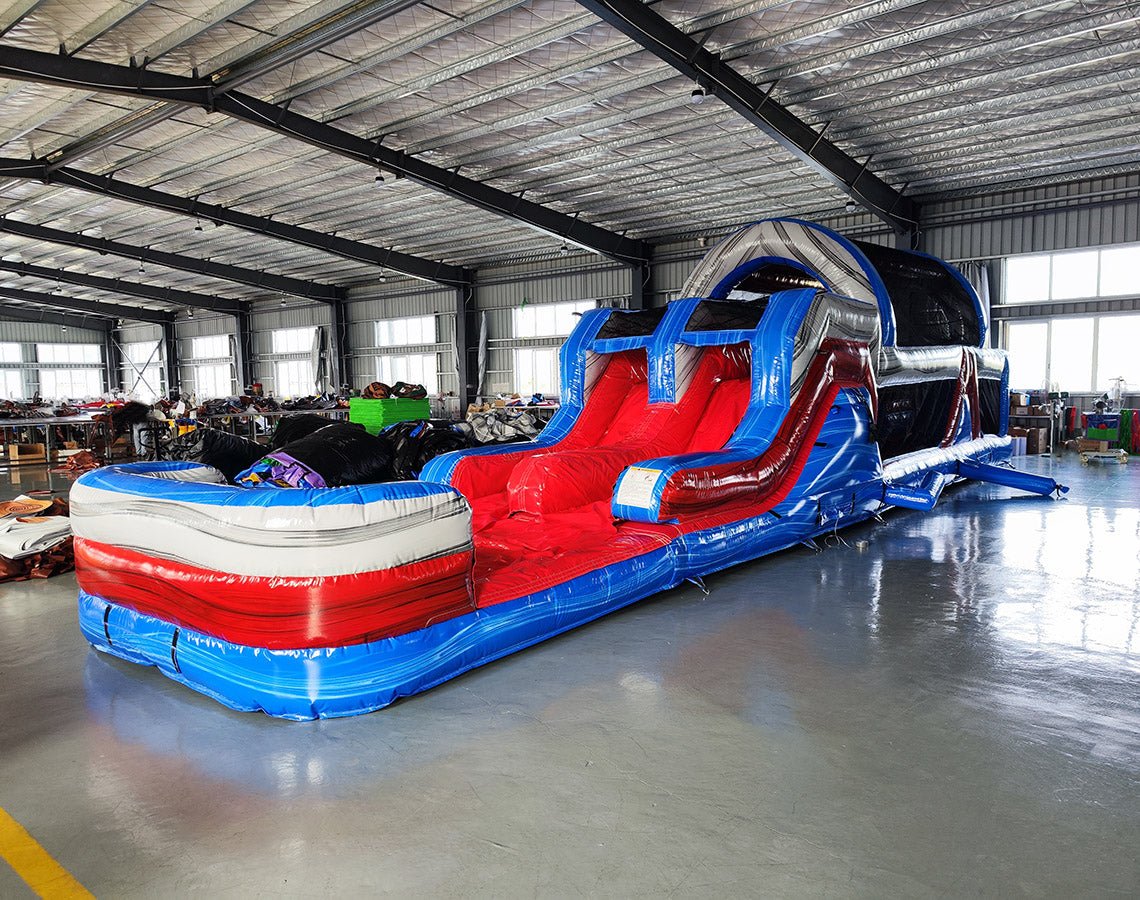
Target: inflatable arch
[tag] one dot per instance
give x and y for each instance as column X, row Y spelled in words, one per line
column 797, row 390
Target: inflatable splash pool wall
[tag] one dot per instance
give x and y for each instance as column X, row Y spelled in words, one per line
column 805, row 383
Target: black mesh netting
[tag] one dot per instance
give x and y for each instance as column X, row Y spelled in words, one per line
column 931, row 306
column 913, row 416
column 989, row 396
column 726, row 315
column 631, row 324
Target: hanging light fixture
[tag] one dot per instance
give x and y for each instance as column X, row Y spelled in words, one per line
column 697, row 97
column 564, row 250
column 851, row 206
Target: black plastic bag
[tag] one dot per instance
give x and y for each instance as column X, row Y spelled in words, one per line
column 342, row 453
column 293, row 428
column 228, row 453
column 415, row 443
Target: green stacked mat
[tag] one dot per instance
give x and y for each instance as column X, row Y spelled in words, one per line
column 376, row 415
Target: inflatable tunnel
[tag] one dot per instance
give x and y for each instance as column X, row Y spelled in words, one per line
column 805, row 383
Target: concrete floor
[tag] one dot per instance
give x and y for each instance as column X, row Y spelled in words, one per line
column 952, row 710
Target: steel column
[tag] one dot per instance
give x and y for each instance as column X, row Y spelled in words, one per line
column 170, row 358
column 243, row 341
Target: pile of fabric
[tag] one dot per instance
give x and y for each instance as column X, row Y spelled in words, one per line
column 35, row 538
column 500, row 425
column 401, row 390
column 18, row 409
column 78, row 463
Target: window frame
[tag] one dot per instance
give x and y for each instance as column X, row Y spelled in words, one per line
column 1054, row 255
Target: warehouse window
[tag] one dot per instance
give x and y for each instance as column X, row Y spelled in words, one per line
column 1081, row 355
column 11, row 380
column 1119, row 337
column 213, row 372
column 70, row 384
column 214, row 346
column 70, row 371
column 293, row 377
column 213, row 380
column 407, row 332
column 1028, row 347
column 1072, row 275
column 12, row 384
column 143, row 370
column 74, row 354
column 414, row 368
column 536, row 371
column 1071, row 354
column 549, row 319
column 293, row 340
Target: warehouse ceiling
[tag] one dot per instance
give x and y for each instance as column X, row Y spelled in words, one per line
column 538, row 101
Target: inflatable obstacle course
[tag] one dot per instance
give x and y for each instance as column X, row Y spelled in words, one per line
column 805, row 383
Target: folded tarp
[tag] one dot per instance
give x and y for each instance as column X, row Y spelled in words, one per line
column 20, row 538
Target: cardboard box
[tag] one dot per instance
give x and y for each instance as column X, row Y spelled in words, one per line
column 1017, row 398
column 1087, row 446
column 1018, row 431
column 1019, row 410
column 1037, row 441
column 27, row 453
column 1039, row 411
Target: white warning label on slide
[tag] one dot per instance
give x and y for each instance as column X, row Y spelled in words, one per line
column 636, row 488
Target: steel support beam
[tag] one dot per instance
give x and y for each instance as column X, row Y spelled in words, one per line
column 173, row 296
column 71, row 72
column 641, row 286
column 170, row 359
column 660, row 37
column 243, row 338
column 466, row 344
column 276, row 284
column 113, row 359
column 357, row 251
column 24, row 314
column 340, row 363
column 93, row 307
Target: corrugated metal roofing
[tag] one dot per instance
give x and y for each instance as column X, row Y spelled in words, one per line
column 542, row 97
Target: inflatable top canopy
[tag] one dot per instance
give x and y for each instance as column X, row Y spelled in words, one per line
column 806, row 383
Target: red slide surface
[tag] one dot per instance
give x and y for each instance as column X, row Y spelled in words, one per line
column 549, row 520
column 542, row 516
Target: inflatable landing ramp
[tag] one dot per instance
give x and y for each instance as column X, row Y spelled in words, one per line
column 805, row 383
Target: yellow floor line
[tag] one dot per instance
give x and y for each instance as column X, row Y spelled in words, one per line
column 34, row 864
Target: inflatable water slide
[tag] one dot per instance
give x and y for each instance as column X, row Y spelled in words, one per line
column 803, row 384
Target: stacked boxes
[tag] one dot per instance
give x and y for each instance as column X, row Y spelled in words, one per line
column 376, row 415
